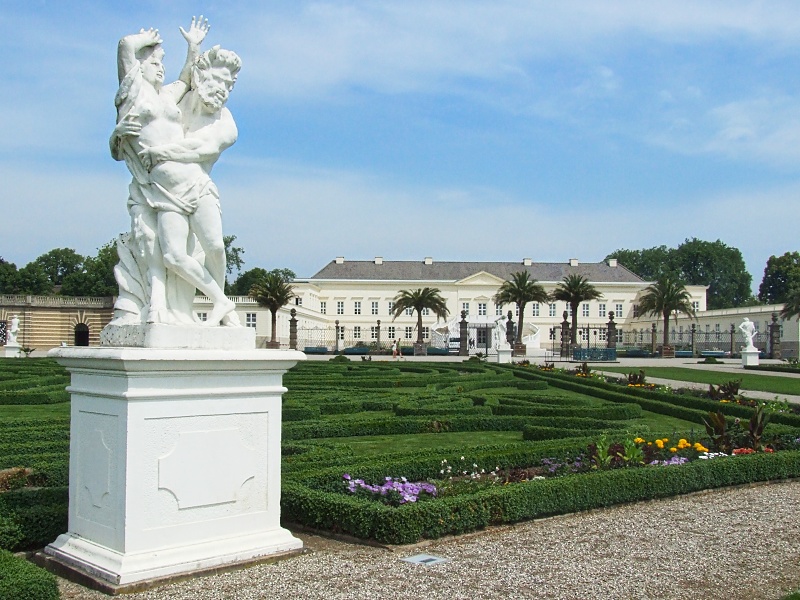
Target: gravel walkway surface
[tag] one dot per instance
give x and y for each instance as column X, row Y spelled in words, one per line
column 732, row 544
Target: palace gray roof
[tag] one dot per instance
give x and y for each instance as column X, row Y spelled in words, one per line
column 429, row 270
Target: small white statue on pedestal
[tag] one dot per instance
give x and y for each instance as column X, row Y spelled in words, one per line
column 13, row 331
column 749, row 332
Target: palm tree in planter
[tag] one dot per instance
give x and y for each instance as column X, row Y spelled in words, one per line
column 419, row 300
column 520, row 290
column 272, row 291
column 664, row 297
column 573, row 290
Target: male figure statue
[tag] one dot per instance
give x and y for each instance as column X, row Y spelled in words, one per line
column 172, row 198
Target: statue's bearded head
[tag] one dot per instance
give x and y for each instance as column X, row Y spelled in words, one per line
column 214, row 75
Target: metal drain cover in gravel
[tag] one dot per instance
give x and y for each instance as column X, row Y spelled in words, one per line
column 425, row 559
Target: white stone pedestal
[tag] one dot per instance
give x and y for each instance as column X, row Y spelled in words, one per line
column 504, row 355
column 175, row 462
column 750, row 357
column 12, row 350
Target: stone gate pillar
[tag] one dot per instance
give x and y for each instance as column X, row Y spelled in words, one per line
column 775, row 337
column 293, row 330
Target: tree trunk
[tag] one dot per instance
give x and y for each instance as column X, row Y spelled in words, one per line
column 273, row 337
column 573, row 335
column 666, row 329
column 519, row 323
column 419, row 326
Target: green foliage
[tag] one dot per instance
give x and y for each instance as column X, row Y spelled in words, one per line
column 781, row 274
column 60, row 262
column 233, row 255
column 21, row 580
column 520, row 290
column 419, row 300
column 697, row 262
column 306, row 501
column 664, row 297
column 573, row 290
column 272, row 292
column 96, row 277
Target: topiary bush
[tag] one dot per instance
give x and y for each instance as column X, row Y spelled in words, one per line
column 21, row 580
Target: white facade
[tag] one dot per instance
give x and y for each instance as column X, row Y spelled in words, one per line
column 358, row 303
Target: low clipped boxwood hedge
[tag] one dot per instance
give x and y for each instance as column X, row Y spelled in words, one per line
column 32, row 517
column 312, row 506
column 21, row 580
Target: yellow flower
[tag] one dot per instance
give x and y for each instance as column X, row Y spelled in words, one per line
column 665, row 440
column 660, row 444
column 673, row 449
column 638, row 440
column 699, row 447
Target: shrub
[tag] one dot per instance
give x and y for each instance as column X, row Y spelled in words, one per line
column 21, row 580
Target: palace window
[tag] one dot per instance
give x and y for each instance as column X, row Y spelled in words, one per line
column 250, row 319
column 374, row 307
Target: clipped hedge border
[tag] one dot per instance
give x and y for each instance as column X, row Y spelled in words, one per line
column 21, row 580
column 524, row 501
column 432, row 424
column 39, row 514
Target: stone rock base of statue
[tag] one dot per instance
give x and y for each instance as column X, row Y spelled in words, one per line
column 750, row 357
column 158, row 335
column 504, row 353
column 420, row 349
column 175, row 462
column 12, row 350
column 520, row 350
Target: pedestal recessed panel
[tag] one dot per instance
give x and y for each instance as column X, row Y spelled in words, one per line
column 206, row 467
column 95, row 485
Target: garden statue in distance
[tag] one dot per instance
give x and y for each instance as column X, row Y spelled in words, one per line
column 748, row 330
column 170, row 137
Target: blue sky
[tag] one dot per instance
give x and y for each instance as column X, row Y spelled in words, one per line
column 458, row 130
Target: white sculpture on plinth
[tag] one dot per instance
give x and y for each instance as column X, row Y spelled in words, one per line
column 167, row 402
column 749, row 332
column 170, row 136
column 13, row 331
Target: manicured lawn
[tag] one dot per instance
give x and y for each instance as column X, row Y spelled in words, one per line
column 750, row 381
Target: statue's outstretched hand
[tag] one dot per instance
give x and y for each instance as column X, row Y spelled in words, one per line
column 197, row 31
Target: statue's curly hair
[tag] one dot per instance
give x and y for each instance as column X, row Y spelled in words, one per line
column 219, row 57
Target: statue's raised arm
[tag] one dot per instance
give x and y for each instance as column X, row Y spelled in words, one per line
column 131, row 46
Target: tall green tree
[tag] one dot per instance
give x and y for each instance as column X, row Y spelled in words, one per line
column 272, row 292
column 664, row 297
column 649, row 263
column 696, row 262
column 9, row 277
column 520, row 290
column 781, row 274
column 96, row 277
column 419, row 300
column 246, row 279
column 718, row 266
column 233, row 255
column 60, row 262
column 573, row 290
column 33, row 280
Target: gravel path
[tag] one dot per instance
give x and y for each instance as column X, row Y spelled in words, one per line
column 731, row 544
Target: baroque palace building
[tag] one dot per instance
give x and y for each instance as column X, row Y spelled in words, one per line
column 353, row 300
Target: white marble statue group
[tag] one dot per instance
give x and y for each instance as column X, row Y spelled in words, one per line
column 170, row 136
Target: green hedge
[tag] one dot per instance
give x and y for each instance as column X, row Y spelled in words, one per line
column 508, row 504
column 21, row 580
column 39, row 515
